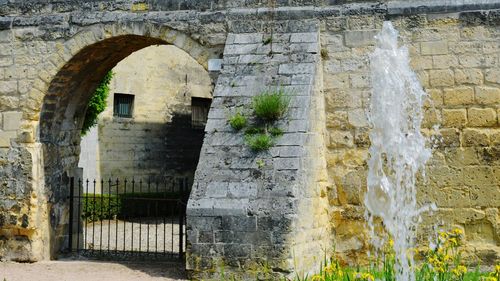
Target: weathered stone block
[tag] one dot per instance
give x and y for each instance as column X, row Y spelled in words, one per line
column 482, row 117
column 12, row 120
column 357, row 118
column 475, row 137
column 444, row 61
column 434, row 48
column 470, row 60
column 247, row 38
column 493, row 75
column 431, row 117
column 337, row 119
column 8, row 87
column 309, row 37
column 5, row 138
column 435, row 98
column 462, row 156
column 217, row 189
column 458, row 96
column 360, row 38
column 243, row 189
column 469, row 76
column 450, row 137
column 454, row 117
column 341, row 139
column 286, row 163
column 441, row 78
column 421, row 62
column 487, row 95
column 296, row 68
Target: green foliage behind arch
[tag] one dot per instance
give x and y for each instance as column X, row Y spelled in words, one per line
column 97, row 103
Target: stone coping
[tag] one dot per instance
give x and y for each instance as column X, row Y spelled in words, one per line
column 34, row 13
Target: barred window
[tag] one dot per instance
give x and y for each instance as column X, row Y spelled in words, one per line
column 123, row 105
column 199, row 111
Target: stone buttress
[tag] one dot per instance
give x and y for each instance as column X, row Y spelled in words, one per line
column 262, row 214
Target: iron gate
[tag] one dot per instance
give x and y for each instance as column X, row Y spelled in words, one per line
column 128, row 219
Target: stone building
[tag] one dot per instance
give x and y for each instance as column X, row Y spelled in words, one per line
column 305, row 196
column 148, row 130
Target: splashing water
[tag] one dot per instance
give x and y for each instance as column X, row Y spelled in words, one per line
column 397, row 150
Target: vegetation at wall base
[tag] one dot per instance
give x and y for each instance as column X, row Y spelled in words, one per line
column 97, row 103
column 271, row 105
column 441, row 263
column 238, row 121
column 96, row 207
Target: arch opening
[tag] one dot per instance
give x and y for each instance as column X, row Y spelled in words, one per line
column 61, row 120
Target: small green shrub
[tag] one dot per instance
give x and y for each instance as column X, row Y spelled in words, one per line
column 259, row 142
column 97, row 207
column 324, row 54
column 238, row 121
column 276, row 132
column 267, row 41
column 271, row 105
column 254, row 131
column 128, row 205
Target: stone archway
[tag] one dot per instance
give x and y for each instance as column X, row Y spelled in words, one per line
column 54, row 112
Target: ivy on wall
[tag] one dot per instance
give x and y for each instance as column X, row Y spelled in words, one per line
column 97, row 103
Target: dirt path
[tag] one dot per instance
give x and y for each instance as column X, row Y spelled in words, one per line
column 70, row 270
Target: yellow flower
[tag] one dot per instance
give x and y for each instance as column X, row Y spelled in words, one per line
column 490, row 278
column 367, row 277
column 497, row 268
column 457, row 231
column 443, row 234
column 459, row 271
column 317, row 277
column 453, row 242
column 447, row 257
column 391, row 242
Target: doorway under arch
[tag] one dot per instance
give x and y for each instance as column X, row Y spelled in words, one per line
column 61, row 118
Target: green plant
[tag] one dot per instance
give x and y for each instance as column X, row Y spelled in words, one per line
column 271, row 105
column 267, row 41
column 276, row 132
column 238, row 121
column 441, row 263
column 97, row 103
column 259, row 142
column 254, row 131
column 324, row 54
column 100, row 206
column 97, row 207
column 260, row 163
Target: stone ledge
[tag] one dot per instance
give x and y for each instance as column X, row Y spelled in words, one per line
column 290, row 13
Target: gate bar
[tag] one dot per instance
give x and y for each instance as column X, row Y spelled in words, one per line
column 71, row 197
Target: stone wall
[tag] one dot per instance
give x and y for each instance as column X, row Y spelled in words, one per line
column 158, row 142
column 54, row 53
column 49, row 70
column 264, row 220
column 456, row 57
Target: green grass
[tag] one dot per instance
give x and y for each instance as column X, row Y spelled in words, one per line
column 276, row 132
column 259, row 142
column 271, row 105
column 238, row 121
